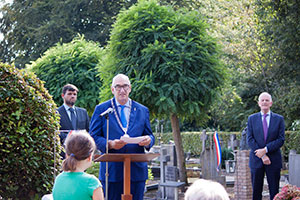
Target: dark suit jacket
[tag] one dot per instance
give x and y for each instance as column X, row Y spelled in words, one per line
column 139, row 125
column 275, row 139
column 82, row 121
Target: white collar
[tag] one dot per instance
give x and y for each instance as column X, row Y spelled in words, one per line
column 127, row 104
column 268, row 113
column 68, row 107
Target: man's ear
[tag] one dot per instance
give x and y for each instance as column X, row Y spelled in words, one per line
column 62, row 95
column 112, row 90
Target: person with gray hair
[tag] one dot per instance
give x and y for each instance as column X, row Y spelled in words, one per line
column 128, row 119
column 206, row 190
column 265, row 137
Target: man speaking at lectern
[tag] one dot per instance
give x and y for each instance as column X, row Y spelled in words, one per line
column 127, row 118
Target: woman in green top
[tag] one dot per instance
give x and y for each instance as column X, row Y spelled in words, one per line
column 73, row 183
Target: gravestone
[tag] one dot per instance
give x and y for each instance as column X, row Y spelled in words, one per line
column 294, row 163
column 168, row 173
column 171, row 175
column 243, row 141
column 208, row 160
column 233, row 144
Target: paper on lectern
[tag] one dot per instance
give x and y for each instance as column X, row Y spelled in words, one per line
column 132, row 140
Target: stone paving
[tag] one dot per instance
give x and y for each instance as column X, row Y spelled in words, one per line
column 152, row 194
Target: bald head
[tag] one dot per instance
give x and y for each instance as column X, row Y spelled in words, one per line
column 122, row 77
column 121, row 88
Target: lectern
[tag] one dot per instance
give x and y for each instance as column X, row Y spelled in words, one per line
column 126, row 159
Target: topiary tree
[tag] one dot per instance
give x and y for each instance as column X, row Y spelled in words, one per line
column 29, row 143
column 73, row 63
column 172, row 61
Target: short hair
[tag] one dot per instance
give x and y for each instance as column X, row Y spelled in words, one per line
column 206, row 190
column 69, row 87
column 265, row 93
column 123, row 76
column 79, row 146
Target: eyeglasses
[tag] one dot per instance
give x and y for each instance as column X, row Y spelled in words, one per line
column 119, row 87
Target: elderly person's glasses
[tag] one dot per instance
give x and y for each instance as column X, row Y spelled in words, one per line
column 119, row 87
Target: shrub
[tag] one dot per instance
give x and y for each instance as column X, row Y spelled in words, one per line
column 28, row 123
column 74, row 63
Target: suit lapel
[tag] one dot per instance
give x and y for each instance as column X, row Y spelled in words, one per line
column 77, row 115
column 66, row 116
column 270, row 125
column 132, row 114
column 260, row 126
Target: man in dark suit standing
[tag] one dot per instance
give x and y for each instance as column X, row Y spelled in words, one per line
column 71, row 117
column 265, row 136
column 128, row 118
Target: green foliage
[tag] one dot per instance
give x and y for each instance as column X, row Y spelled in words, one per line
column 73, row 63
column 278, row 56
column 28, row 137
column 192, row 142
column 280, row 25
column 172, row 62
column 94, row 169
column 227, row 154
column 30, row 27
column 287, row 103
column 229, row 114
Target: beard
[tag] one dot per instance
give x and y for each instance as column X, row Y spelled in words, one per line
column 69, row 102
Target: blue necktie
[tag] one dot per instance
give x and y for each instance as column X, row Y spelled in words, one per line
column 265, row 127
column 73, row 118
column 123, row 118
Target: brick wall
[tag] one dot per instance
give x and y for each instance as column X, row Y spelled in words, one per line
column 242, row 184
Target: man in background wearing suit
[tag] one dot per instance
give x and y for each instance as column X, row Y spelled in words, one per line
column 128, row 118
column 265, row 136
column 71, row 117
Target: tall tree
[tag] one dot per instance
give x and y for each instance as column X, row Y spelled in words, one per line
column 278, row 25
column 30, row 27
column 233, row 23
column 172, row 61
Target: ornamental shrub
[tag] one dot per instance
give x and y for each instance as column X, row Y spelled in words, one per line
column 288, row 192
column 29, row 144
column 74, row 63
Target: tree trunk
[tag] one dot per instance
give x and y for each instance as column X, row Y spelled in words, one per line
column 178, row 147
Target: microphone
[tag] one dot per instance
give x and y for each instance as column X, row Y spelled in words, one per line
column 109, row 110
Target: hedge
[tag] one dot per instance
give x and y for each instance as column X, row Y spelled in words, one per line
column 192, row 141
column 28, row 124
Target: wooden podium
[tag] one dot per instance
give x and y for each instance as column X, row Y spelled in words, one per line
column 126, row 159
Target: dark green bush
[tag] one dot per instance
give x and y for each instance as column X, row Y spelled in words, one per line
column 28, row 124
column 74, row 63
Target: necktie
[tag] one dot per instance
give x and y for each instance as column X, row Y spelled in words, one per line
column 265, row 126
column 73, row 118
column 123, row 118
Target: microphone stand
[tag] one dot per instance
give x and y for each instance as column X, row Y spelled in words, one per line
column 106, row 172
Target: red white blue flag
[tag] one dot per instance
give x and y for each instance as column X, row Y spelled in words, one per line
column 218, row 149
